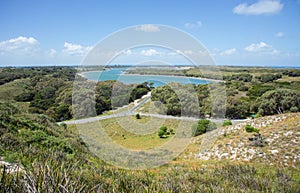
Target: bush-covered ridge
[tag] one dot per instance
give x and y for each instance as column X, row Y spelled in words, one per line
column 49, row 90
column 243, row 100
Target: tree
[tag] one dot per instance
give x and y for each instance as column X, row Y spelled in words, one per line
column 269, row 77
column 278, row 101
column 237, row 108
column 202, row 126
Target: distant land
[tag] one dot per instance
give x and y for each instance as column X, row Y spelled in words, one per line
column 130, row 65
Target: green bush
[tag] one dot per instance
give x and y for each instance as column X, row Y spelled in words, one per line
column 211, row 126
column 226, row 123
column 137, row 116
column 203, row 126
column 164, row 133
column 251, row 129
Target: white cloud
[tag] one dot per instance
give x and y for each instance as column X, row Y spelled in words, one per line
column 172, row 53
column 20, row 44
column 127, row 52
column 258, row 8
column 228, row 52
column 52, row 53
column 184, row 52
column 187, row 52
column 197, row 24
column 75, row 49
column 150, row 52
column 262, row 47
column 148, row 28
column 279, row 34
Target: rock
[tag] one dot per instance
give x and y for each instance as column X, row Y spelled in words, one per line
column 274, row 151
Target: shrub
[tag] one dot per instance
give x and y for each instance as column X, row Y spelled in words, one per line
column 163, row 132
column 138, row 116
column 251, row 129
column 203, row 126
column 172, row 131
column 226, row 123
column 211, row 126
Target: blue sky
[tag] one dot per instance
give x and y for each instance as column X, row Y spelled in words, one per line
column 235, row 32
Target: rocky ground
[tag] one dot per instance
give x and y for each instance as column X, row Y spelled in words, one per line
column 280, row 135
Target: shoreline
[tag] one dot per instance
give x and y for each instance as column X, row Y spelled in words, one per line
column 198, row 78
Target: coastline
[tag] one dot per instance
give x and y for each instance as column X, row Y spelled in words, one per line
column 198, row 78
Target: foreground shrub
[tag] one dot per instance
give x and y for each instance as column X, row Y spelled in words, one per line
column 203, row 126
column 251, row 129
column 226, row 123
column 137, row 116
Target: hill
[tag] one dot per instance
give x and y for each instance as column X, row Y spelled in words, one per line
column 280, row 136
column 53, row 158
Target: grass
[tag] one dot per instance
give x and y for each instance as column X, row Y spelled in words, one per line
column 87, row 173
column 132, row 133
column 289, row 79
column 219, row 177
column 282, row 148
column 9, row 90
column 148, row 107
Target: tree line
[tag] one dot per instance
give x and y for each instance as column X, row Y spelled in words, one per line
column 243, row 100
column 50, row 91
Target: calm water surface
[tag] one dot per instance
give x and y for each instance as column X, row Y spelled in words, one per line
column 158, row 80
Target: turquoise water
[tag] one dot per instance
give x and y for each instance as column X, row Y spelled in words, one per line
column 117, row 74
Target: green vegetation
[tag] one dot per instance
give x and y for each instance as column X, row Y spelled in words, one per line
column 251, row 129
column 226, row 123
column 54, row 158
column 48, row 90
column 203, row 126
column 137, row 116
column 183, row 97
column 248, row 92
column 132, row 133
column 164, row 132
column 269, row 77
column 65, row 164
column 278, row 101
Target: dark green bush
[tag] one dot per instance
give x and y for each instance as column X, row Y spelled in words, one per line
column 203, row 126
column 226, row 123
column 137, row 116
column 251, row 129
column 163, row 132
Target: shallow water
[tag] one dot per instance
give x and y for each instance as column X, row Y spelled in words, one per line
column 158, row 80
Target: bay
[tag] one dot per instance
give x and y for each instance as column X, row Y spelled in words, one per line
column 158, row 80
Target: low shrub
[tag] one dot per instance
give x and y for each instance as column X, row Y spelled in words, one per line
column 226, row 123
column 251, row 129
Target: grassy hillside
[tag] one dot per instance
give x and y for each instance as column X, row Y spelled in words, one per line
column 38, row 155
column 53, row 158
